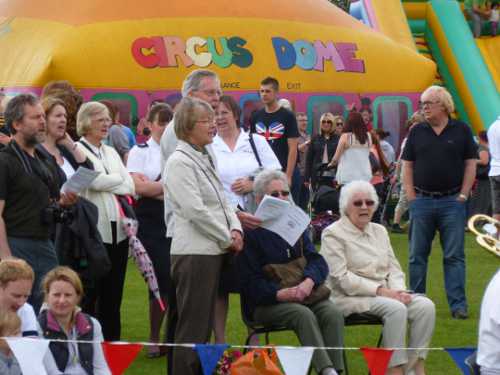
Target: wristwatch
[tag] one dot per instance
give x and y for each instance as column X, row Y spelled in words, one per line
column 462, row 196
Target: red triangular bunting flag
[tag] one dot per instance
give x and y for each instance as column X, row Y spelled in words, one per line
column 377, row 359
column 120, row 356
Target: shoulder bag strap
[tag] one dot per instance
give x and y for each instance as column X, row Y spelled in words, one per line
column 211, row 183
column 254, row 149
column 85, row 144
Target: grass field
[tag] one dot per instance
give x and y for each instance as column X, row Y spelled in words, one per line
column 449, row 332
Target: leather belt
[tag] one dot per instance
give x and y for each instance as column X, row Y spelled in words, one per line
column 437, row 194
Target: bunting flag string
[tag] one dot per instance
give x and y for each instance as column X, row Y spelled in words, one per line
column 29, row 354
column 377, row 359
column 459, row 355
column 295, row 359
column 120, row 355
column 209, row 356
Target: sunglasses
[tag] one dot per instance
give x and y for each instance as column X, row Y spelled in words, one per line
column 340, row 124
column 367, row 202
column 278, row 193
column 327, row 122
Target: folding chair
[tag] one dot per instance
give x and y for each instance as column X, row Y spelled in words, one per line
column 362, row 319
column 258, row 328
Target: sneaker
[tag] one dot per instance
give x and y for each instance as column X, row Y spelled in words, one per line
column 459, row 314
column 396, row 228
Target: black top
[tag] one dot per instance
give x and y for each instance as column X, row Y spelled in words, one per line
column 314, row 157
column 276, row 127
column 26, row 194
column 61, row 176
column 264, row 247
column 438, row 160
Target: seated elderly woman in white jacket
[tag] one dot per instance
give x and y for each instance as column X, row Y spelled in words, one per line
column 205, row 228
column 365, row 277
column 92, row 125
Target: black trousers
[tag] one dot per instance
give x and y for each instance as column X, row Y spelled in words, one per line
column 172, row 316
column 105, row 300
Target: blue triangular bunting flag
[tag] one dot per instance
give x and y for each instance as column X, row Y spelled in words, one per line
column 209, row 356
column 459, row 355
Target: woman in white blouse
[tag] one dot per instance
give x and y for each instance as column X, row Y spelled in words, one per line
column 93, row 122
column 144, row 164
column 237, row 163
column 365, row 276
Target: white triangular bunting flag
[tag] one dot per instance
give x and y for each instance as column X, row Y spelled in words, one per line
column 29, row 353
column 295, row 361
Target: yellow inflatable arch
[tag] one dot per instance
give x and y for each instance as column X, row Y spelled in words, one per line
column 137, row 51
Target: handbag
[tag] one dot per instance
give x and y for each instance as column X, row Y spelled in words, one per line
column 291, row 274
column 256, row 362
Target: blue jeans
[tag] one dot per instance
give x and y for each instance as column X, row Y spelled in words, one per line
column 447, row 215
column 41, row 256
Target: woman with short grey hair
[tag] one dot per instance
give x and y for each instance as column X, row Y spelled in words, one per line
column 365, row 277
column 205, row 228
column 301, row 304
column 92, row 125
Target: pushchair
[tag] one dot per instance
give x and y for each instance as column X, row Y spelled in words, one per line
column 324, row 207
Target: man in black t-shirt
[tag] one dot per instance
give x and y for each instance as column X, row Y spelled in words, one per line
column 28, row 186
column 279, row 126
column 439, row 162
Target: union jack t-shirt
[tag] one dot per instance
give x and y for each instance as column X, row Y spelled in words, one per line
column 277, row 127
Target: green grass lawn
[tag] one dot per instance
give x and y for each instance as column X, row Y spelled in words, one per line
column 481, row 266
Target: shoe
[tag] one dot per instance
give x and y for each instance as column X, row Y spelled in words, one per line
column 459, row 314
column 154, row 352
column 395, row 228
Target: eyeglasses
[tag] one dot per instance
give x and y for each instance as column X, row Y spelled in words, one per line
column 327, row 122
column 278, row 193
column 427, row 103
column 367, row 202
column 211, row 93
column 339, row 124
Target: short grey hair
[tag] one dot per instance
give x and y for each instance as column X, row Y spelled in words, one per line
column 443, row 96
column 187, row 112
column 352, row 188
column 14, row 111
column 85, row 114
column 264, row 178
column 193, row 80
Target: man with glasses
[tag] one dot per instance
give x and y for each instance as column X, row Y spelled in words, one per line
column 279, row 126
column 439, row 167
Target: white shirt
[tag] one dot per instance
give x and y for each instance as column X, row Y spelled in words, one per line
column 29, row 324
column 488, row 354
column 241, row 162
column 145, row 160
column 67, row 168
column 494, row 147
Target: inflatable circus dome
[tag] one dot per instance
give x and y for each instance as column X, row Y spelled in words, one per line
column 135, row 51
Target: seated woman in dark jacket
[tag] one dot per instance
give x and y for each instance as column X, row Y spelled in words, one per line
column 322, row 147
column 301, row 307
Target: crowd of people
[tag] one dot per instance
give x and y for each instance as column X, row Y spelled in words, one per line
column 197, row 179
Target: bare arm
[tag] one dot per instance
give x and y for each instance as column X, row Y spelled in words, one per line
column 340, row 149
column 292, row 157
column 408, row 180
column 484, row 158
column 4, row 245
column 469, row 176
column 145, row 187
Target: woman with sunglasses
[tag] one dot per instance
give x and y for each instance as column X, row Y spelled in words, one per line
column 144, row 165
column 322, row 147
column 366, row 277
column 315, row 319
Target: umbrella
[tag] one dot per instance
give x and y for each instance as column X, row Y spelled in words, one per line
column 141, row 258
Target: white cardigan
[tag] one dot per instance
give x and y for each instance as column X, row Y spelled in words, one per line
column 113, row 179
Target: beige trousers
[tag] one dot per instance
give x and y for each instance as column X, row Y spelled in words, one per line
column 419, row 316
